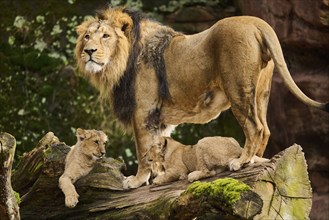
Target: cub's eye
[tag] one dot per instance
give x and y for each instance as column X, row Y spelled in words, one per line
column 96, row 142
column 87, row 36
column 106, row 36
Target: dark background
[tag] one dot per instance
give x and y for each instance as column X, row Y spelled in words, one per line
column 40, row 90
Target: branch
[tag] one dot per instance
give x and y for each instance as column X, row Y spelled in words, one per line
column 278, row 189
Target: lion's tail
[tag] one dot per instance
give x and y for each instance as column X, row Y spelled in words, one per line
column 273, row 44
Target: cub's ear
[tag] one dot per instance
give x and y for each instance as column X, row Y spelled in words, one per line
column 80, row 134
column 164, row 147
column 103, row 136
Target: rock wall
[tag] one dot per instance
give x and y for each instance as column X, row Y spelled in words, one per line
column 303, row 29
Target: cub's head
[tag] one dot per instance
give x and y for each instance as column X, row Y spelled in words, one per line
column 156, row 158
column 91, row 143
column 103, row 45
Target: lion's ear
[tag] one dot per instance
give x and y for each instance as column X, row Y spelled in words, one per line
column 83, row 27
column 80, row 29
column 103, row 136
column 125, row 23
column 124, row 27
column 80, row 134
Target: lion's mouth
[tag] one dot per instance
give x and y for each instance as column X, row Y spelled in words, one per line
column 93, row 66
column 91, row 60
column 98, row 157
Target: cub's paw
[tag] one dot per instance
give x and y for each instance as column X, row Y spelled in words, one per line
column 71, row 201
column 235, row 164
column 195, row 175
column 132, row 182
column 159, row 180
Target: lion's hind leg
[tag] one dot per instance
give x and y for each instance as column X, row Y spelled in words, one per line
column 262, row 97
column 71, row 195
column 242, row 95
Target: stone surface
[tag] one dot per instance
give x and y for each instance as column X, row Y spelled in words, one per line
column 302, row 28
column 296, row 22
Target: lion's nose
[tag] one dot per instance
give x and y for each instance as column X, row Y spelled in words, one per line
column 90, row 51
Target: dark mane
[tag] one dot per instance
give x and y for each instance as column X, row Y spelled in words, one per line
column 153, row 56
column 124, row 102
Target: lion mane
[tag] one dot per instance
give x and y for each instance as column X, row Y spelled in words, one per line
column 116, row 82
column 156, row 78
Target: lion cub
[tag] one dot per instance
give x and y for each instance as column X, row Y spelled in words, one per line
column 172, row 160
column 80, row 160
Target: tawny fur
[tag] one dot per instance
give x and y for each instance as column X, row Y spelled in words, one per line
column 210, row 156
column 80, row 160
column 229, row 65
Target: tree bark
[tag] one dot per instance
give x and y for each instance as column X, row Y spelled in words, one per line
column 280, row 189
column 8, row 204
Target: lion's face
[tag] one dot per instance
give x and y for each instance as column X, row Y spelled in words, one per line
column 103, row 47
column 98, row 46
column 91, row 143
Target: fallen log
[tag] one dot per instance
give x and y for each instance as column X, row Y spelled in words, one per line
column 8, row 203
column 279, row 189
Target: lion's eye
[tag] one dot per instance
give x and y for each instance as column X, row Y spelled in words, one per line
column 96, row 142
column 106, row 36
column 87, row 36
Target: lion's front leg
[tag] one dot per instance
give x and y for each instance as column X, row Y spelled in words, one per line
column 71, row 195
column 144, row 139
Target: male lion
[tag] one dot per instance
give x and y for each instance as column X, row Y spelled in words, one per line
column 156, row 78
column 172, row 160
column 80, row 160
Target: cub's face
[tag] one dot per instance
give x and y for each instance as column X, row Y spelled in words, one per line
column 156, row 159
column 91, row 143
column 96, row 45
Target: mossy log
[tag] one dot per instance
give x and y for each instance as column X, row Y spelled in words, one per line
column 279, row 189
column 8, row 203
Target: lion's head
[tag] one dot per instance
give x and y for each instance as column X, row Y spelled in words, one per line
column 91, row 143
column 103, row 47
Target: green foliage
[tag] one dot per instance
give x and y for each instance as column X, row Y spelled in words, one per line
column 17, row 197
column 226, row 189
column 40, row 92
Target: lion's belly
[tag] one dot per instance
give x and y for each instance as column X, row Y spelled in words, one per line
column 207, row 107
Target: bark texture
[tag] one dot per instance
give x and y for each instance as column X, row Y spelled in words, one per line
column 8, row 204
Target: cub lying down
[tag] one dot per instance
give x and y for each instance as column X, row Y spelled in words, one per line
column 172, row 160
column 80, row 160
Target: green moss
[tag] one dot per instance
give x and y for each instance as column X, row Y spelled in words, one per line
column 228, row 189
column 17, row 197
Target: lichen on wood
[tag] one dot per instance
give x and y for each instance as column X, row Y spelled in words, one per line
column 228, row 189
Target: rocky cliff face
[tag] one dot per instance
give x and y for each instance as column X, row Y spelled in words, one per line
column 303, row 29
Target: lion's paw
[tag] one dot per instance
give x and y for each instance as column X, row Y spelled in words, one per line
column 132, row 182
column 71, row 201
column 235, row 164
